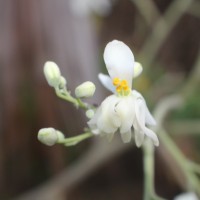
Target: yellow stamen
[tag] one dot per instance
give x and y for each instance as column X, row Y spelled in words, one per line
column 124, row 83
column 126, row 88
column 116, row 81
column 122, row 87
column 119, row 88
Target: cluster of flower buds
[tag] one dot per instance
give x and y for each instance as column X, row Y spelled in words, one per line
column 50, row 136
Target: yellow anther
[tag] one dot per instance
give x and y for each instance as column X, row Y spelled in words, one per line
column 116, row 81
column 122, row 87
column 119, row 88
column 125, row 88
column 124, row 83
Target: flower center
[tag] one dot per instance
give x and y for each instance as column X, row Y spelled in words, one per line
column 122, row 87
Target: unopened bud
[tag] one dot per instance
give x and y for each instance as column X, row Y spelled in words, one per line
column 86, row 89
column 137, row 69
column 48, row 136
column 89, row 113
column 52, row 73
column 62, row 83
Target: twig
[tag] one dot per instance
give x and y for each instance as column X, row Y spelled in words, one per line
column 183, row 127
column 194, row 79
column 194, row 9
column 148, row 10
column 162, row 29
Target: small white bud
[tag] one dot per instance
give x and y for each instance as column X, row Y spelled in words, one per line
column 48, row 136
column 86, row 89
column 52, row 73
column 89, row 113
column 137, row 69
column 62, row 83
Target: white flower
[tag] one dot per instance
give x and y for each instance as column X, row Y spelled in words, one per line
column 187, row 196
column 124, row 111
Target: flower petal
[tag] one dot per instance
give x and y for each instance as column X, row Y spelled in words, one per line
column 137, row 69
column 108, row 121
column 149, row 119
column 140, row 109
column 126, row 136
column 148, row 132
column 139, row 137
column 119, row 61
column 125, row 110
column 106, row 82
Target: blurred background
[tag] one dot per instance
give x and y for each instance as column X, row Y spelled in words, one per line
column 164, row 36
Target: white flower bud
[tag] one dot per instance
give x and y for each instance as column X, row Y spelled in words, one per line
column 86, row 89
column 62, row 83
column 89, row 113
column 48, row 136
column 52, row 73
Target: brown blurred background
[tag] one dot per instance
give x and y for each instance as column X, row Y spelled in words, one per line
column 164, row 36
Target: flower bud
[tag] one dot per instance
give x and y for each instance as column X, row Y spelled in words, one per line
column 48, row 136
column 137, row 69
column 89, row 113
column 52, row 73
column 86, row 89
column 62, row 83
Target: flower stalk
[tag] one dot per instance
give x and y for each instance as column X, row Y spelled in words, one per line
column 148, row 163
column 76, row 139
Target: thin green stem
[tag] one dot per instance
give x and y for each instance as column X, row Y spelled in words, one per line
column 149, row 190
column 148, row 170
column 66, row 96
column 192, row 179
column 76, row 139
column 194, row 167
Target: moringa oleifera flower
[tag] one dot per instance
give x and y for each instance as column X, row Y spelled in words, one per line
column 125, row 110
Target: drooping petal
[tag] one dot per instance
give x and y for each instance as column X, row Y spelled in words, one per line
column 126, row 136
column 108, row 121
column 149, row 119
column 148, row 132
column 140, row 116
column 139, row 133
column 106, row 82
column 119, row 61
column 125, row 110
column 137, row 69
column 139, row 137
